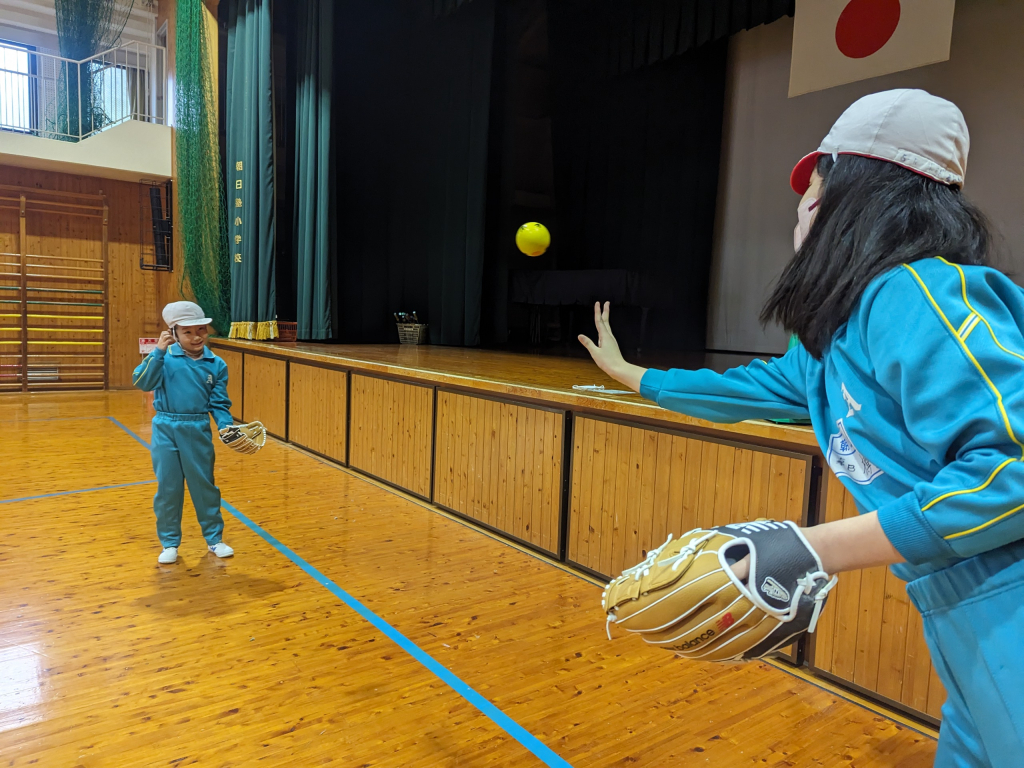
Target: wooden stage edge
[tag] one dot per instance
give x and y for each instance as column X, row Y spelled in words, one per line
column 502, row 441
column 533, row 378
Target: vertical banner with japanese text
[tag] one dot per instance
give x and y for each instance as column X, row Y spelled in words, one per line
column 250, row 163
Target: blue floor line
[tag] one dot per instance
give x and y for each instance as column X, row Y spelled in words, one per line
column 543, row 753
column 130, row 432
column 80, row 490
column 54, row 418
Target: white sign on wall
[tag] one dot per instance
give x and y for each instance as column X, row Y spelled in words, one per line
column 147, row 345
column 841, row 41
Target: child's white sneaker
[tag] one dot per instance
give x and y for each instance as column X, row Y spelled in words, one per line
column 168, row 556
column 220, row 549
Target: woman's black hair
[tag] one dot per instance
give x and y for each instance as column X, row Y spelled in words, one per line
column 872, row 216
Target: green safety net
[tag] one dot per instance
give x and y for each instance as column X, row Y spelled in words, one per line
column 88, row 27
column 200, row 185
column 85, row 28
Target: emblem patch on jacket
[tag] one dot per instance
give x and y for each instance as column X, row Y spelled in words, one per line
column 846, row 461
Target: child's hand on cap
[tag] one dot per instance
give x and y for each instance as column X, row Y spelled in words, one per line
column 166, row 339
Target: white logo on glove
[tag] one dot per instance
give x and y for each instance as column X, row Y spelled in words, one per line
column 697, row 640
column 773, row 589
column 756, row 526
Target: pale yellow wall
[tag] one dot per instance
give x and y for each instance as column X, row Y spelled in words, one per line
column 129, row 151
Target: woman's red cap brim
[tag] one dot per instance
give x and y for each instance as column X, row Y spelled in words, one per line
column 800, row 178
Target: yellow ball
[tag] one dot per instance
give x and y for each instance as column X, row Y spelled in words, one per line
column 533, row 239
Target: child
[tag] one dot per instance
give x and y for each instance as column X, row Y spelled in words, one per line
column 189, row 384
column 909, row 368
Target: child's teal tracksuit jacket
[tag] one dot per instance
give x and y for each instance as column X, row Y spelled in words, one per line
column 918, row 406
column 185, row 393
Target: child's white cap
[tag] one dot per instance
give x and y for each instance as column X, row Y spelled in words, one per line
column 908, row 127
column 184, row 313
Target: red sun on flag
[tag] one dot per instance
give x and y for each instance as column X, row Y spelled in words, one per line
column 843, row 41
column 865, row 26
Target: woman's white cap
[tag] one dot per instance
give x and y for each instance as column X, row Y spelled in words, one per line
column 909, row 127
column 184, row 313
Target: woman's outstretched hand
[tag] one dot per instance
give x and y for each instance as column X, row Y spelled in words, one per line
column 606, row 352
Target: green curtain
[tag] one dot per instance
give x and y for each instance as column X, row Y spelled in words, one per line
column 250, row 170
column 313, row 187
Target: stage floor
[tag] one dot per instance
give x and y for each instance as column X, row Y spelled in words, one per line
column 355, row 626
column 555, row 367
column 649, row 358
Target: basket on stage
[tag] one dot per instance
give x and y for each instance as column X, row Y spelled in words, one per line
column 410, row 329
column 412, row 333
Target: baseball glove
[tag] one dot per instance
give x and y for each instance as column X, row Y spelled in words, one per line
column 244, row 438
column 685, row 597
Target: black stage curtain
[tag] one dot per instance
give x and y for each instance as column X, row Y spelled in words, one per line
column 604, row 123
column 636, row 162
column 313, row 215
column 606, row 126
column 411, row 99
column 444, row 7
column 643, row 32
column 634, row 33
column 520, row 174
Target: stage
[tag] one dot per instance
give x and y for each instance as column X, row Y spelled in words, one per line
column 593, row 481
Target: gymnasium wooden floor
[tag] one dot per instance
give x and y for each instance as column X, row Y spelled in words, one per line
column 354, row 627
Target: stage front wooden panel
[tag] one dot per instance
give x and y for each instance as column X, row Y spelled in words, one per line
column 500, row 464
column 870, row 634
column 632, row 486
column 265, row 392
column 317, row 409
column 390, row 432
column 235, row 380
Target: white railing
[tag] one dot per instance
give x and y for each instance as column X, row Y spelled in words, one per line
column 46, row 95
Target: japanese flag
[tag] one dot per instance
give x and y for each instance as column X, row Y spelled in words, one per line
column 840, row 41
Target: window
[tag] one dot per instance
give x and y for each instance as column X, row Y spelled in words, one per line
column 15, row 87
column 115, row 86
column 160, row 111
column 118, row 90
column 161, row 105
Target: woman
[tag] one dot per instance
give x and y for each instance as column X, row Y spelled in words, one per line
column 910, row 368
